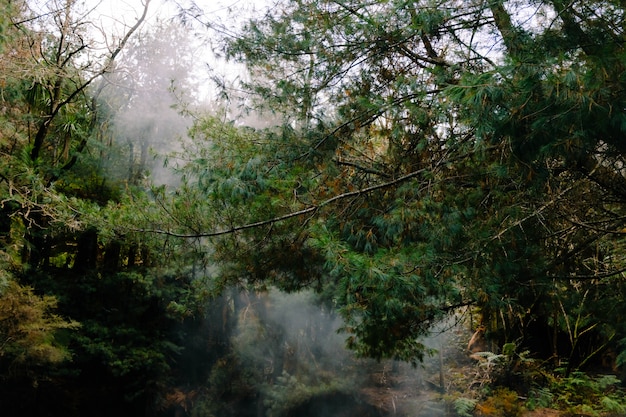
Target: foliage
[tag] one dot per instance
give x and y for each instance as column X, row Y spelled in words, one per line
column 501, row 403
column 284, row 355
column 64, row 260
column 435, row 155
column 540, row 397
column 582, row 392
column 578, row 392
column 28, row 327
column 464, row 407
column 289, row 392
column 421, row 157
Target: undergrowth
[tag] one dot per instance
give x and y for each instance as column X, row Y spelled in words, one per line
column 580, row 393
column 510, row 383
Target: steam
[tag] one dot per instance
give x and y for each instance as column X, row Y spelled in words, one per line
column 289, row 333
column 149, row 97
column 290, row 343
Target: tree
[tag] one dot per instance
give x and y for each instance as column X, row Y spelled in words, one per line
column 31, row 330
column 59, row 264
column 53, row 64
column 434, row 155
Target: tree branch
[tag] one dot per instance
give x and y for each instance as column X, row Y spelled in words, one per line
column 504, row 24
column 362, row 168
column 311, row 209
column 607, row 274
column 57, row 105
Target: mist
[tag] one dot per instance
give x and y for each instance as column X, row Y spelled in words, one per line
column 293, row 361
column 148, row 98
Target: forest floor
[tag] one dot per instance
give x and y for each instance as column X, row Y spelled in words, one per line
column 430, row 390
column 417, row 393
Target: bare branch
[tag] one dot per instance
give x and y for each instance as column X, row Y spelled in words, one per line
column 362, row 168
column 56, row 105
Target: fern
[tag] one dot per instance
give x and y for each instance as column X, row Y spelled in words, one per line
column 612, row 405
column 607, row 381
column 539, row 397
column 464, row 407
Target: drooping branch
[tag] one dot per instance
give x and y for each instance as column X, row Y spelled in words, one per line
column 598, row 276
column 358, row 167
column 311, row 209
column 368, row 117
column 308, row 210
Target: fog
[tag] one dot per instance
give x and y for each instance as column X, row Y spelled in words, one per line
column 291, row 345
column 166, row 76
column 147, row 98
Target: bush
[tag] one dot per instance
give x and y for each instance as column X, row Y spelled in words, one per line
column 503, row 403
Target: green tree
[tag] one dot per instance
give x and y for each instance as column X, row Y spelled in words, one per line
column 50, row 114
column 28, row 322
column 434, row 155
column 60, row 257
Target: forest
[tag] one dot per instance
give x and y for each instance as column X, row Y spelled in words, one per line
column 376, row 208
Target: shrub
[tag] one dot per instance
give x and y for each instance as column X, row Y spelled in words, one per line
column 502, row 403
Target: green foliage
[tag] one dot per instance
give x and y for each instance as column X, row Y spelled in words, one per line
column 602, row 393
column 464, row 407
column 28, row 328
column 289, row 392
column 578, row 393
column 613, row 405
column 425, row 156
column 67, row 254
column 540, row 397
column 456, row 175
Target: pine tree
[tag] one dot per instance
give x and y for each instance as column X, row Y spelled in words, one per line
column 435, row 155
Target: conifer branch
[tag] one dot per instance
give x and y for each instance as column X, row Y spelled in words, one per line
column 309, row 210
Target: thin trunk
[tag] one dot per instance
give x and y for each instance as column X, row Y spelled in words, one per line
column 555, row 335
column 510, row 34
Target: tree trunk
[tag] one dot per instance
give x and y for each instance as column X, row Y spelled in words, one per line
column 86, row 257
